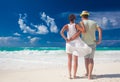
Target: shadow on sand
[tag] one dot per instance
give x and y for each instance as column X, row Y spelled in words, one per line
column 108, row 76
column 101, row 76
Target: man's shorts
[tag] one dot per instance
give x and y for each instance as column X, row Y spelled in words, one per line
column 91, row 55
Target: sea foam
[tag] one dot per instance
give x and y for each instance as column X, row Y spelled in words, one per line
column 31, row 59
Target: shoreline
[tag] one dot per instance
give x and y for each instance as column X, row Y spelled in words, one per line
column 52, row 48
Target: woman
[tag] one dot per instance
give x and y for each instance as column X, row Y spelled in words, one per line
column 74, row 46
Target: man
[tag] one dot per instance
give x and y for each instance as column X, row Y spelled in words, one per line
column 89, row 38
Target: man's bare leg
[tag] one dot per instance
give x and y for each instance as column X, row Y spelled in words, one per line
column 91, row 65
column 87, row 66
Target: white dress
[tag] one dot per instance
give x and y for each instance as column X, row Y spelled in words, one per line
column 76, row 47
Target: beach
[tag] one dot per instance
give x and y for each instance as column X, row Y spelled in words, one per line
column 51, row 66
column 109, row 72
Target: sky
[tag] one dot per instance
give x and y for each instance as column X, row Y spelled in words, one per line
column 37, row 23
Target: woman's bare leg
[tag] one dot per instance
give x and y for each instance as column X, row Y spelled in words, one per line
column 69, row 64
column 75, row 65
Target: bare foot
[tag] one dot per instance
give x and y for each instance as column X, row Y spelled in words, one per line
column 74, row 77
column 89, row 77
column 70, row 77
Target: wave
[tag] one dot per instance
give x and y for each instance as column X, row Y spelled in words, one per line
column 31, row 59
column 28, row 59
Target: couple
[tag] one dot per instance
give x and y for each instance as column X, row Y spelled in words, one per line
column 81, row 47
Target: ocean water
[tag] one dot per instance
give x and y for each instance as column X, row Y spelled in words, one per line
column 34, row 58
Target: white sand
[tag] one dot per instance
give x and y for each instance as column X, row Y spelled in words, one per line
column 103, row 72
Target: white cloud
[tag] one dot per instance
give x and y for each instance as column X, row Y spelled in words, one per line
column 29, row 37
column 44, row 18
column 50, row 22
column 41, row 29
column 53, row 28
column 106, row 23
column 17, row 34
column 34, row 40
column 107, row 20
column 17, row 41
column 9, row 41
column 25, row 28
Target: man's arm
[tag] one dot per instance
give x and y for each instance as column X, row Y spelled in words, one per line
column 83, row 27
column 99, row 36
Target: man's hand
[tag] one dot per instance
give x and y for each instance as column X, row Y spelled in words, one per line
column 98, row 42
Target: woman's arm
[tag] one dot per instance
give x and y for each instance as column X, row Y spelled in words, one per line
column 80, row 27
column 75, row 35
column 63, row 30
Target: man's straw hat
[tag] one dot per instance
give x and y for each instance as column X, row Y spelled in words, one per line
column 85, row 13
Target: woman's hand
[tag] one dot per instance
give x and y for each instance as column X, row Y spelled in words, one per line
column 68, row 40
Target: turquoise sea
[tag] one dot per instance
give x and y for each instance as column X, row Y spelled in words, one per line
column 49, row 48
